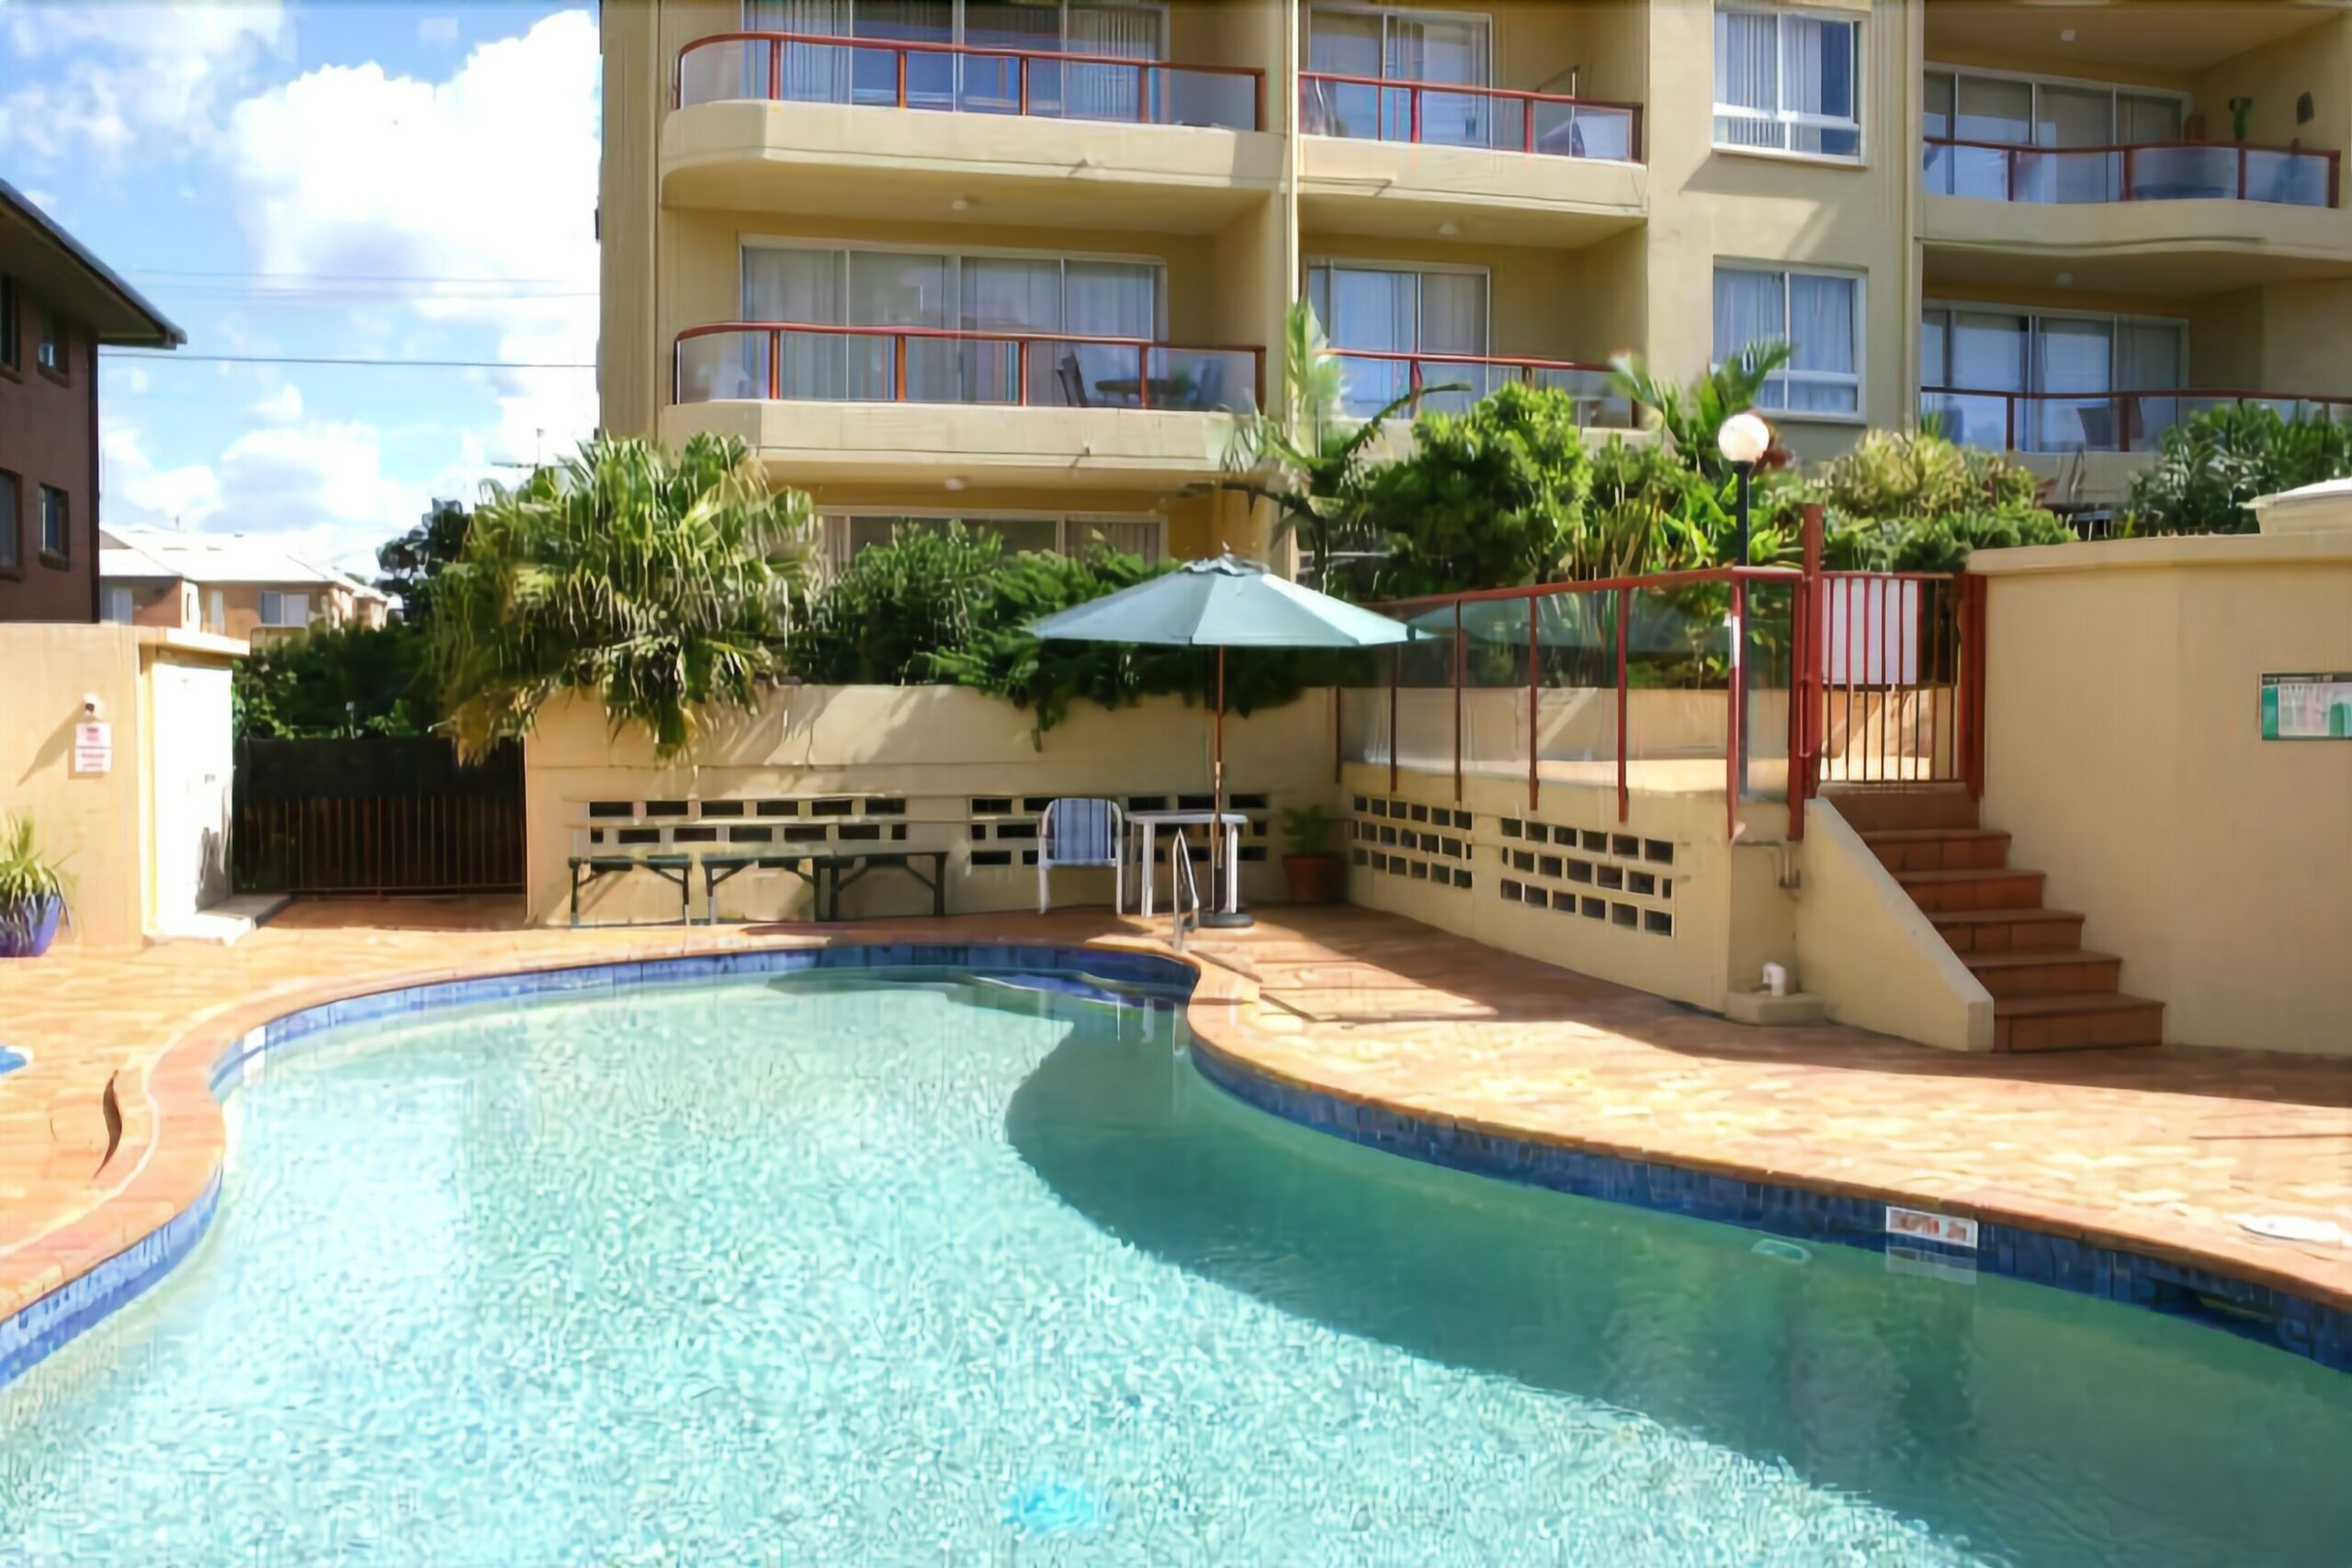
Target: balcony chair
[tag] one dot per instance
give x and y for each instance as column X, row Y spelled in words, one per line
column 1073, row 381
column 1080, row 833
column 1209, row 384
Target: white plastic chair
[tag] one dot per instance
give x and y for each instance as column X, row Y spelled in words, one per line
column 1081, row 833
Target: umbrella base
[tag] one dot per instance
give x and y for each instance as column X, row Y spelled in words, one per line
column 1220, row 921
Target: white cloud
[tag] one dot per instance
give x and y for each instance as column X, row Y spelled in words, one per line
column 487, row 175
column 130, row 378
column 102, row 82
column 317, row 486
column 283, row 406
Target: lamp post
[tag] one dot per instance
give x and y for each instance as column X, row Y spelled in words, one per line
column 1743, row 441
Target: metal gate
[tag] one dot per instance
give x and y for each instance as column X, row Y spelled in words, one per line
column 377, row 815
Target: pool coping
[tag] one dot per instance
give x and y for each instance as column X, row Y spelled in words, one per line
column 160, row 1207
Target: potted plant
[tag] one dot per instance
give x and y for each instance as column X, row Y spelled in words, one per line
column 1317, row 873
column 32, row 892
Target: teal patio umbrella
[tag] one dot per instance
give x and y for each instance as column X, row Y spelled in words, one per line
column 1221, row 603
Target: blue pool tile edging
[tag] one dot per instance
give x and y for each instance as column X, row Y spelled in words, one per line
column 2292, row 1323
column 40, row 1328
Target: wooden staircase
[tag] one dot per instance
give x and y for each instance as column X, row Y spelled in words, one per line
column 2049, row 993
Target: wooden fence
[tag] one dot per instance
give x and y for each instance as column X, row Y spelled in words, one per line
column 378, row 814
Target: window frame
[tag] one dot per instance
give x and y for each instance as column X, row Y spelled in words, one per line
column 52, row 345
column 2035, row 81
column 114, row 594
column 1785, row 271
column 64, row 555
column 12, row 529
column 12, row 333
column 2033, row 316
column 279, row 621
column 954, row 256
column 1857, row 19
column 956, row 27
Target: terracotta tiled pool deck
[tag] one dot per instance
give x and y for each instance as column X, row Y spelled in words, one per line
column 2151, row 1151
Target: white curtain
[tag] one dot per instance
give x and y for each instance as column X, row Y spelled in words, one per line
column 2078, row 357
column 1749, row 309
column 782, row 284
column 1433, row 49
column 1344, row 43
column 1110, row 300
column 1747, row 76
column 811, row 72
column 1014, row 294
column 1987, row 354
column 1818, row 78
column 890, row 290
column 1108, row 92
column 1453, row 321
column 1821, row 337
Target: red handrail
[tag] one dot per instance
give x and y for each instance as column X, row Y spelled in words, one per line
column 2013, row 152
column 1020, row 341
column 2122, row 404
column 902, row 47
column 1911, row 642
column 1416, row 90
column 1526, row 368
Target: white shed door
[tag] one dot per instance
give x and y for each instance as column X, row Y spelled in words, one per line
column 195, row 756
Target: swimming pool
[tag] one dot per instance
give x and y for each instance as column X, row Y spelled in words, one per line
column 895, row 1265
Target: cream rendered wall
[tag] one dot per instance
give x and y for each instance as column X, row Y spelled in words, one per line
column 936, row 746
column 2122, row 753
column 90, row 824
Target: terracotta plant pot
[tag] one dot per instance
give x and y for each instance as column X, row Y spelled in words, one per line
column 25, row 932
column 1315, row 879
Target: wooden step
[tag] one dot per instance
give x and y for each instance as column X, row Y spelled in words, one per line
column 2046, row 971
column 1974, row 931
column 1937, row 891
column 1939, row 848
column 1881, row 810
column 2076, row 1022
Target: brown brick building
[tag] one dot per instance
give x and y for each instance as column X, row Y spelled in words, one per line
column 58, row 303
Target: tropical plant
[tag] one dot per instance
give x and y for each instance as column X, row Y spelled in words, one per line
column 1690, row 416
column 1904, row 500
column 2215, row 462
column 408, row 567
column 658, row 585
column 337, row 680
column 882, row 619
column 1310, row 829
column 28, row 881
column 1310, row 459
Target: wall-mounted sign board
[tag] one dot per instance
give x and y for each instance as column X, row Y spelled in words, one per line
column 2307, row 707
column 94, row 748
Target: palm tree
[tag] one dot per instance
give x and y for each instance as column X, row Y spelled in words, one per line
column 663, row 585
column 1692, row 415
column 1310, row 460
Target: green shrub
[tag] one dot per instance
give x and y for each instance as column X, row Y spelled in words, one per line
column 884, row 618
column 336, row 682
column 2215, row 463
column 1904, row 501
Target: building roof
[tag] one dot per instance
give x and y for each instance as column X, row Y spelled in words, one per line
column 169, row 554
column 54, row 264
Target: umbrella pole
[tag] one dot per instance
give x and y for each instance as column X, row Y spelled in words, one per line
column 1216, row 916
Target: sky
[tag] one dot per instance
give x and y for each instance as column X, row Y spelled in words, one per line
column 315, row 179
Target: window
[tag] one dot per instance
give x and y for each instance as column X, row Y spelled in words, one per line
column 1379, row 317
column 2046, row 382
column 285, row 609
column 1788, row 82
column 1009, row 294
column 117, row 607
column 56, row 525
column 12, row 518
column 11, row 349
column 216, row 612
column 49, row 349
column 1406, row 47
column 845, row 534
column 1817, row 314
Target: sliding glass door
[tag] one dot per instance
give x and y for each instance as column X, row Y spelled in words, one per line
column 974, row 84
column 2050, row 382
column 2046, row 140
column 1391, row 314
column 1023, row 296
column 1398, row 46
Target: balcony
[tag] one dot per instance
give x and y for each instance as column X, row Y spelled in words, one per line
column 1377, row 377
column 2095, row 441
column 782, row 121
column 834, row 403
column 1407, row 159
column 2159, row 218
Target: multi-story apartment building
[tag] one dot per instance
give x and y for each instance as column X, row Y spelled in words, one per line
column 231, row 585
column 1016, row 260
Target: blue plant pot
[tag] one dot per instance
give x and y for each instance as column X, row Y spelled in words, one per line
column 25, row 931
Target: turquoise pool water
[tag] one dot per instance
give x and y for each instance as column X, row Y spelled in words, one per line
column 849, row 1267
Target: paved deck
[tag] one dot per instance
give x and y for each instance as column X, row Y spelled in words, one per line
column 2157, row 1151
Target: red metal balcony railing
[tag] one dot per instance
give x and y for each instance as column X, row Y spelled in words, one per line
column 1377, row 377
column 1382, row 108
column 811, row 361
column 908, row 74
column 2152, row 171
column 2096, row 422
